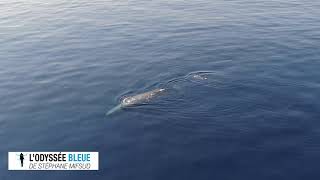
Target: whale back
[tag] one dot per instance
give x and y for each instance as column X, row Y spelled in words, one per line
column 140, row 98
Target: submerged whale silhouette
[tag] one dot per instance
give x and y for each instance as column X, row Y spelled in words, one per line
column 136, row 99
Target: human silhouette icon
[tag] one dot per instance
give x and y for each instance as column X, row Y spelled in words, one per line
column 21, row 159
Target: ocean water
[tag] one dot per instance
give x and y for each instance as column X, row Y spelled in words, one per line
column 64, row 64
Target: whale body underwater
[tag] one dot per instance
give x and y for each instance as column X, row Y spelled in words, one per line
column 136, row 99
column 149, row 95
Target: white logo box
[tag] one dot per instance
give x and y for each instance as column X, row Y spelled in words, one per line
column 53, row 160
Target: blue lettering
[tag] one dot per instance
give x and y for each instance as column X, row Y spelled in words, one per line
column 79, row 157
column 70, row 157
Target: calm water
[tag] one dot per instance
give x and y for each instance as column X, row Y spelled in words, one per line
column 64, row 64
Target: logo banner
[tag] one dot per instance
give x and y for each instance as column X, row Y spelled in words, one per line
column 53, row 160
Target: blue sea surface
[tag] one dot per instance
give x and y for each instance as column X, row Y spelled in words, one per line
column 65, row 64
